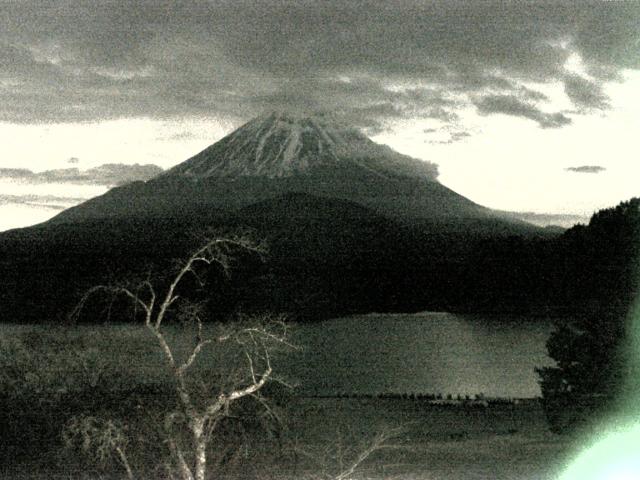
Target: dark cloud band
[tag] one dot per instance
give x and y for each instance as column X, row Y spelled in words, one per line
column 50, row 202
column 514, row 106
column 82, row 61
column 586, row 169
column 109, row 174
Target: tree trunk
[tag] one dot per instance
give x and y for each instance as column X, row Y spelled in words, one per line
column 200, row 444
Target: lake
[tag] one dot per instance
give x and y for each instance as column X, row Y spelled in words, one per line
column 421, row 353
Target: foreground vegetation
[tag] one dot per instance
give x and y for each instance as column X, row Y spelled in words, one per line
column 59, row 383
column 596, row 350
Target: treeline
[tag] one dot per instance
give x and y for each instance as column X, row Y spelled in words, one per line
column 435, row 398
column 335, row 266
column 329, row 258
column 596, row 360
column 403, row 396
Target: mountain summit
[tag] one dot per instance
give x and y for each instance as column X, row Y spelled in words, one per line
column 282, row 145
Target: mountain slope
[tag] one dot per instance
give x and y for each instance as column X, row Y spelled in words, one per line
column 279, row 154
column 326, row 257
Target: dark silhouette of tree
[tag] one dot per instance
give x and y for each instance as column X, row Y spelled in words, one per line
column 591, row 354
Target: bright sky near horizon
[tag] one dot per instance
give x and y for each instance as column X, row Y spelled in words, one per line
column 524, row 106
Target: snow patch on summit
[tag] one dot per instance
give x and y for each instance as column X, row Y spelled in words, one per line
column 281, row 145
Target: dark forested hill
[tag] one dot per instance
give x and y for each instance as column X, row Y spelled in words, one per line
column 328, row 257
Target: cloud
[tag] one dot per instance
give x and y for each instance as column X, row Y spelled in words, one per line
column 86, row 61
column 446, row 136
column 361, row 101
column 456, row 136
column 51, row 202
column 109, row 174
column 514, row 106
column 183, row 135
column 16, row 173
column 586, row 169
column 585, row 93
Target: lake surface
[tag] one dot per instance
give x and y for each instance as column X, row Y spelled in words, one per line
column 422, row 353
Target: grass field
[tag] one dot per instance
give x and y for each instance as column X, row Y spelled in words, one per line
column 50, row 374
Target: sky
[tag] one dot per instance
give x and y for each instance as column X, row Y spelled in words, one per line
column 524, row 106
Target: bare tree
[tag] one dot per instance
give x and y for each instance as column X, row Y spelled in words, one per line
column 344, row 459
column 201, row 409
column 103, row 439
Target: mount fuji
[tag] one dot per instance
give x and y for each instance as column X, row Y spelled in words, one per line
column 280, row 154
column 352, row 226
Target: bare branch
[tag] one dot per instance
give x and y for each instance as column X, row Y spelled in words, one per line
column 183, row 466
column 270, row 412
column 250, row 361
column 166, row 349
column 378, row 443
column 113, row 290
column 211, row 252
column 194, row 354
column 254, row 387
column 125, row 462
column 224, row 400
column 340, row 462
column 152, row 292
